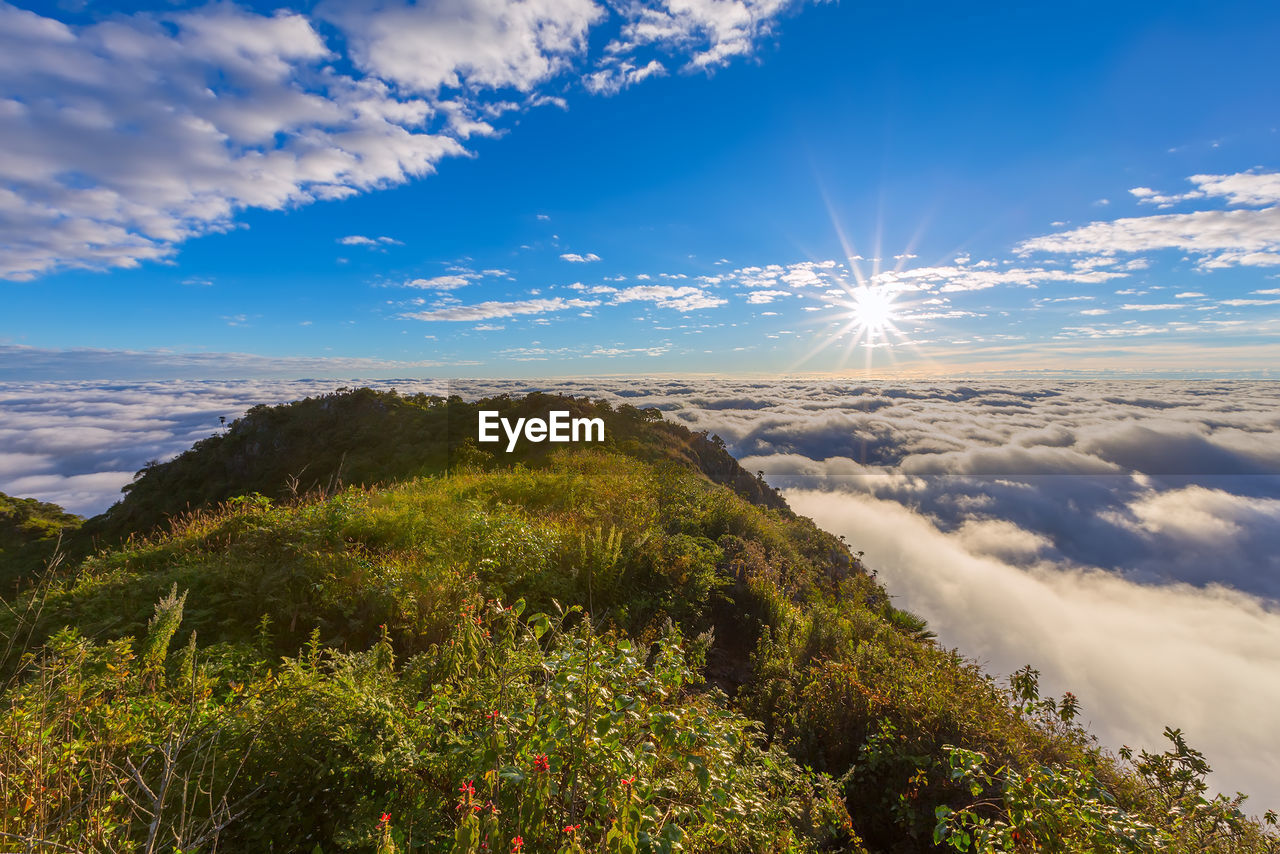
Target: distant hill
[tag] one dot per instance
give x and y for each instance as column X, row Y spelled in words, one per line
column 30, row 532
column 344, row 625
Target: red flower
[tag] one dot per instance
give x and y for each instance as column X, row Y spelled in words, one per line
column 572, row 828
column 541, row 763
column 517, row 845
column 627, row 781
column 385, row 820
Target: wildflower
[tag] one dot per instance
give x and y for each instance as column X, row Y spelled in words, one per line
column 541, row 763
column 467, row 788
column 517, row 844
column 572, row 828
column 627, row 781
column 384, row 821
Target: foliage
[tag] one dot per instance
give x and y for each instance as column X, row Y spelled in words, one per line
column 30, row 533
column 535, row 727
column 366, row 437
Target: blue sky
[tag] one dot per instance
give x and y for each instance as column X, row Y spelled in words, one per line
column 555, row 187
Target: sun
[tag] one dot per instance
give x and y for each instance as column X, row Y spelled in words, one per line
column 871, row 310
column 866, row 317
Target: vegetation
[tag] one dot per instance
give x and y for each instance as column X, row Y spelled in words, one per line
column 365, row 437
column 593, row 649
column 30, row 533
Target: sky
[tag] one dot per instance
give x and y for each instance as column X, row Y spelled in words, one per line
column 986, row 290
column 578, row 187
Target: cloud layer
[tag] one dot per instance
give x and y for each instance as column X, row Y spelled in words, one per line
column 1139, row 656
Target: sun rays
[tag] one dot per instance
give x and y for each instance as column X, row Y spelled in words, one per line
column 867, row 316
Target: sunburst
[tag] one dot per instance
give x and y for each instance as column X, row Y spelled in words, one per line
column 866, row 317
column 871, row 310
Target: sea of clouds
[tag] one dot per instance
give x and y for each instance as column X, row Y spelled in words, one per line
column 1121, row 536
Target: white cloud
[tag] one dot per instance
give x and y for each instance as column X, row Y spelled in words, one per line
column 575, row 258
column 665, row 296
column 1241, row 302
column 129, row 136
column 456, row 277
column 361, row 240
column 126, row 137
column 1219, row 238
column 615, row 77
column 592, row 289
column 612, row 352
column 489, row 44
column 1139, row 657
column 956, row 278
column 496, row 308
column 450, row 282
column 1242, row 188
column 712, row 31
column 765, row 297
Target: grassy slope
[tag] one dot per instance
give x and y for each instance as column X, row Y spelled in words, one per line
column 30, row 532
column 349, row 654
column 366, row 437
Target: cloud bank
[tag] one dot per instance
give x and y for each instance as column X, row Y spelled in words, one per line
column 1139, row 656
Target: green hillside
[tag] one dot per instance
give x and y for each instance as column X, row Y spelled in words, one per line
column 30, row 532
column 365, row 437
column 626, row 648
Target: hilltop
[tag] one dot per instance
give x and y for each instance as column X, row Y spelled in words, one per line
column 365, row 437
column 342, row 625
